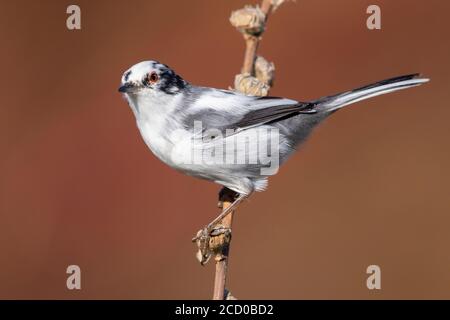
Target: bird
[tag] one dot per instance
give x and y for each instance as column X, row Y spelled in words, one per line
column 194, row 129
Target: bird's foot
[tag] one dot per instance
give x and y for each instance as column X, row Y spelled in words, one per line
column 215, row 238
column 212, row 241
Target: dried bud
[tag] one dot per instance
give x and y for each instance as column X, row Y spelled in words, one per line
column 250, row 85
column 249, row 20
column 264, row 70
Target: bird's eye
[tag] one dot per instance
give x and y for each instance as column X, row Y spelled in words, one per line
column 151, row 78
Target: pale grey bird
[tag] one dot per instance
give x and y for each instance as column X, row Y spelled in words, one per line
column 167, row 109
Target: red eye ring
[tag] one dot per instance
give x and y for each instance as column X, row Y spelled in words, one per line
column 152, row 78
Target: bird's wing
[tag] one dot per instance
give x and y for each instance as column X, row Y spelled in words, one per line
column 272, row 114
column 222, row 110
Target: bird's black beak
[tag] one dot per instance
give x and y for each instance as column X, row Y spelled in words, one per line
column 127, row 88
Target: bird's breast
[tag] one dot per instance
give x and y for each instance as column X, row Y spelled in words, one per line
column 169, row 143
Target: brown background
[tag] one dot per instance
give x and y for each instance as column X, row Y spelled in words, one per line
column 78, row 185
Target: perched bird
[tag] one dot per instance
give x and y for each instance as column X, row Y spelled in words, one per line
column 194, row 129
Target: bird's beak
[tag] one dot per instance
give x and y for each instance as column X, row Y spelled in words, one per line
column 127, row 88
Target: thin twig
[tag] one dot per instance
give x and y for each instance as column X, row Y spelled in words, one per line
column 251, row 46
column 252, row 42
column 222, row 257
column 226, row 198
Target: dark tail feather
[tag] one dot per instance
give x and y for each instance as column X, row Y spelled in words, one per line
column 338, row 101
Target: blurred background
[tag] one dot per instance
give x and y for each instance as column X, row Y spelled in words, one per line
column 78, row 185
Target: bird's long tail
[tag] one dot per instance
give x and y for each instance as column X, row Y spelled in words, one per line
column 332, row 103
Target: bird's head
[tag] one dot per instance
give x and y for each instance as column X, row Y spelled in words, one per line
column 151, row 78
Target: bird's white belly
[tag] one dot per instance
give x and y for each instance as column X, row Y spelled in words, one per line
column 170, row 146
column 154, row 139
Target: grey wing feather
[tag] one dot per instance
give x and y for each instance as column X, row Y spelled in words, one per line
column 220, row 109
column 273, row 114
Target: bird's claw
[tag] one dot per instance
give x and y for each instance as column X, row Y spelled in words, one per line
column 211, row 241
column 202, row 241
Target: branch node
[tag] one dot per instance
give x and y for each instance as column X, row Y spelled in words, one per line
column 249, row 20
column 216, row 243
column 250, row 85
column 264, row 71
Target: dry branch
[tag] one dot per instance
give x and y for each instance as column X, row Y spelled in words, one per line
column 251, row 21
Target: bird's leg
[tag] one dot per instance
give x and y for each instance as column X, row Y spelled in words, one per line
column 203, row 237
column 238, row 198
